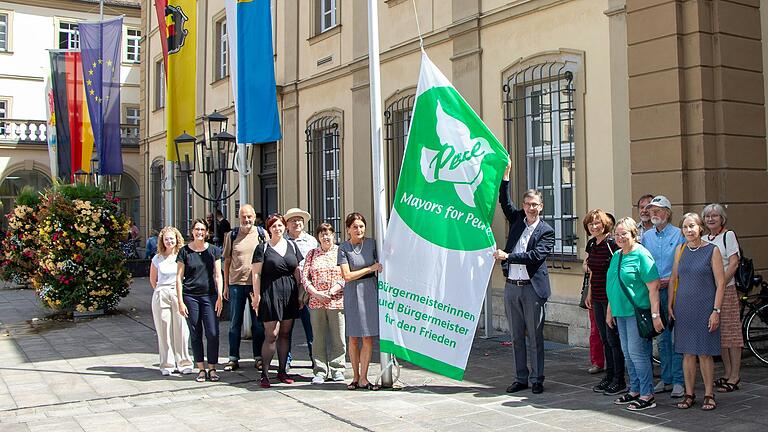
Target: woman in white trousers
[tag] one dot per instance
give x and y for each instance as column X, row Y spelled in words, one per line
column 172, row 331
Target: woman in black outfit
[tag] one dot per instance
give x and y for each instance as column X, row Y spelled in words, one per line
column 198, row 287
column 276, row 280
column 600, row 249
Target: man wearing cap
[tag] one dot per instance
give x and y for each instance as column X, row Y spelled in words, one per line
column 662, row 242
column 296, row 219
column 239, row 245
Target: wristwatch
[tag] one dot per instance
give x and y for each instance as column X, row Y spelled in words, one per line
column 654, row 315
column 716, row 309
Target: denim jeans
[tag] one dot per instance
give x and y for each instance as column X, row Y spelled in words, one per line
column 202, row 318
column 306, row 322
column 637, row 355
column 239, row 295
column 671, row 362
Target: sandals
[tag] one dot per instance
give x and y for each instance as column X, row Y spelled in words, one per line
column 726, row 387
column 687, row 401
column 353, row 386
column 212, row 375
column 721, row 381
column 231, row 365
column 642, row 404
column 709, row 403
column 202, row 376
column 371, row 387
column 626, row 398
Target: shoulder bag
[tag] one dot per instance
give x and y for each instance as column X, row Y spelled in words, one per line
column 745, row 272
column 642, row 315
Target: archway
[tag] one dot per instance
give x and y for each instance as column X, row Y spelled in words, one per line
column 12, row 184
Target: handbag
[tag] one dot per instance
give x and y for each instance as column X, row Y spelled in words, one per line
column 584, row 291
column 642, row 315
column 745, row 272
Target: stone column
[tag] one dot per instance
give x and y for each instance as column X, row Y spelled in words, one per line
column 697, row 117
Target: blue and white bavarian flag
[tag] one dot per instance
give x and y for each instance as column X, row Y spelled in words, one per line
column 252, row 71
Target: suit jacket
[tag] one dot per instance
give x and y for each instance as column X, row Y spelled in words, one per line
column 540, row 245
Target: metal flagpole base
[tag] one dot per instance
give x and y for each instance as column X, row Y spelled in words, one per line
column 386, row 369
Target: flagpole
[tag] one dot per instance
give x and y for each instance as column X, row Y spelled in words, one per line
column 379, row 194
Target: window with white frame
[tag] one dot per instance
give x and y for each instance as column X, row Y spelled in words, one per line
column 132, row 115
column 132, row 45
column 4, row 45
column 326, row 14
column 222, row 50
column 159, row 84
column 540, row 114
column 3, row 114
column 69, row 36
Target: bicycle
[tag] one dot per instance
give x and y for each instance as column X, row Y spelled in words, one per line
column 754, row 320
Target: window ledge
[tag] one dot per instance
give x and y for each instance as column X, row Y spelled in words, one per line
column 392, row 3
column 218, row 81
column 130, row 63
column 325, row 35
column 6, row 52
column 154, row 110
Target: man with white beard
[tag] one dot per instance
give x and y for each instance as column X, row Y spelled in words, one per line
column 662, row 242
column 645, row 216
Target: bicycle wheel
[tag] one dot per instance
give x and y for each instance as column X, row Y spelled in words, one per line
column 757, row 333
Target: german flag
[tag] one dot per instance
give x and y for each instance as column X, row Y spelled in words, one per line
column 73, row 125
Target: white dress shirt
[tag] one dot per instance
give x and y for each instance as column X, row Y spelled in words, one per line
column 519, row 271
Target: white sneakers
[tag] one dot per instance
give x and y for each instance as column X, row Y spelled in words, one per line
column 165, row 372
column 318, row 379
column 338, row 376
column 677, row 391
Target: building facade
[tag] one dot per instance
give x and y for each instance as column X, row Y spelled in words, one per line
column 27, row 30
column 598, row 102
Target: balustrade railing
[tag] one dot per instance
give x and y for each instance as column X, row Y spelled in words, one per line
column 36, row 132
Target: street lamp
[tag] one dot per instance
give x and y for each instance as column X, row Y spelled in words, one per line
column 109, row 183
column 213, row 157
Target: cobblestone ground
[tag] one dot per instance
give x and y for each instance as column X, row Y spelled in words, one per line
column 100, row 375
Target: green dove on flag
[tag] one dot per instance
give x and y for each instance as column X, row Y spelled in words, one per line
column 438, row 250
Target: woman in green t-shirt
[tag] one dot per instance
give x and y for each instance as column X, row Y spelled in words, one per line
column 640, row 279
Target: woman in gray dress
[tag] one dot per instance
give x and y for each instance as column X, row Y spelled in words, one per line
column 695, row 306
column 359, row 265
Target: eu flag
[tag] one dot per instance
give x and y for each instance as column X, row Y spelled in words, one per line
column 100, row 51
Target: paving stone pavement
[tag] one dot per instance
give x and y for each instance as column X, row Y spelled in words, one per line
column 101, row 375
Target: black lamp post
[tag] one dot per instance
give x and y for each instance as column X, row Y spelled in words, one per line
column 213, row 158
column 109, row 183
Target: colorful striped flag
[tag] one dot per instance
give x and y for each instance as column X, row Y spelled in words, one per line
column 181, row 37
column 73, row 130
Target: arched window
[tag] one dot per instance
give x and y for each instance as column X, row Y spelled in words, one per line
column 157, row 203
column 130, row 197
column 539, row 115
column 324, row 171
column 12, row 184
column 397, row 121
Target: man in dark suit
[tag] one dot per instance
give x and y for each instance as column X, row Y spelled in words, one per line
column 529, row 243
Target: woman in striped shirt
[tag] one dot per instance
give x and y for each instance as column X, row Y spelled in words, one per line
column 600, row 249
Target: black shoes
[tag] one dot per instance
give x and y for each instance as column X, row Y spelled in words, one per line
column 516, row 387
column 602, row 385
column 614, row 389
column 536, row 388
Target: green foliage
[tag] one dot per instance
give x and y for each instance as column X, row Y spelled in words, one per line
column 76, row 236
column 28, row 196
